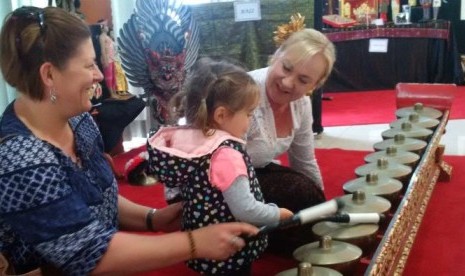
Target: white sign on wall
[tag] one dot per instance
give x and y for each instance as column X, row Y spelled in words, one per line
column 378, row 45
column 247, row 10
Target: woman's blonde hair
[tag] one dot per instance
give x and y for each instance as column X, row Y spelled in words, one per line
column 211, row 84
column 307, row 43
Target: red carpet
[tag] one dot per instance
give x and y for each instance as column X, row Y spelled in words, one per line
column 438, row 246
column 373, row 107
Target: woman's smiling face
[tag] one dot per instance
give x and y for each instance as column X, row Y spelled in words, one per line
column 290, row 78
column 77, row 78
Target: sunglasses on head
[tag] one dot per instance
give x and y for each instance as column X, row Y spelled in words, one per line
column 31, row 13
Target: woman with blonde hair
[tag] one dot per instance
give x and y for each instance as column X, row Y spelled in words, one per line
column 282, row 123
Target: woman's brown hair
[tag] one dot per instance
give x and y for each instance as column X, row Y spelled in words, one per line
column 31, row 36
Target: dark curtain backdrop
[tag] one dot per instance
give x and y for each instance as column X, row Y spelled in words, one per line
column 450, row 10
column 249, row 42
column 421, row 60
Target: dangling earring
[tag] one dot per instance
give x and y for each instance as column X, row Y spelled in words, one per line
column 53, row 97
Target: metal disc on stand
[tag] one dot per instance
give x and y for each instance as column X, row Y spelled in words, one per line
column 306, row 269
column 337, row 255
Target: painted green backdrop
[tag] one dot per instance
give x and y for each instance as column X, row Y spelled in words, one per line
column 248, row 42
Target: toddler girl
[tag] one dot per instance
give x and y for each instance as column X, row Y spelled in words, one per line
column 206, row 159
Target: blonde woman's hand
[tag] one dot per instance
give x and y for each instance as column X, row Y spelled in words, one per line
column 221, row 241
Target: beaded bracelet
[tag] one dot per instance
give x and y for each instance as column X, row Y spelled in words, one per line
column 149, row 219
column 191, row 243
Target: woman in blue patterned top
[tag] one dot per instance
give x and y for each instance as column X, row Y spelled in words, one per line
column 59, row 205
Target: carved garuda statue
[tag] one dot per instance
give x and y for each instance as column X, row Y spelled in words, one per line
column 158, row 46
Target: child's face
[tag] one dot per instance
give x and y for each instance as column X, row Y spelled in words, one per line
column 238, row 123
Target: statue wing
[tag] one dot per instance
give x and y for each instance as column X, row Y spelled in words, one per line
column 192, row 45
column 132, row 55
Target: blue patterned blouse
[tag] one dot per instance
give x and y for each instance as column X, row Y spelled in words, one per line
column 53, row 212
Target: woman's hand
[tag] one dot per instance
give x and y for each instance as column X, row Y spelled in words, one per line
column 168, row 219
column 221, row 241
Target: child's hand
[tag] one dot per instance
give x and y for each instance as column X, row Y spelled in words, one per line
column 285, row 213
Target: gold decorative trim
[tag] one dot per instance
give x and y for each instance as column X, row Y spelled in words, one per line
column 286, row 30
